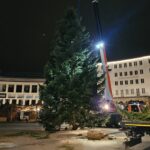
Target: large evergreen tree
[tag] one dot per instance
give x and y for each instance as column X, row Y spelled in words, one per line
column 71, row 75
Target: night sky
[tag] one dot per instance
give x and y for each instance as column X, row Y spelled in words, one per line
column 27, row 28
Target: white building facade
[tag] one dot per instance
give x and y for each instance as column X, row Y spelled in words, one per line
column 20, row 91
column 130, row 79
column 23, row 97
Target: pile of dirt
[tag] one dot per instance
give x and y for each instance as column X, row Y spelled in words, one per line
column 95, row 135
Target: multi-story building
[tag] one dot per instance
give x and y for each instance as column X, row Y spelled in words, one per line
column 130, row 79
column 22, row 92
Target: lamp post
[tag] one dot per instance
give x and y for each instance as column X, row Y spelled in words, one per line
column 101, row 46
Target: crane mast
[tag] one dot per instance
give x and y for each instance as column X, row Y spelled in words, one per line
column 108, row 90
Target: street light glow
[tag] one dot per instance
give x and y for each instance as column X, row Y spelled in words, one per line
column 106, row 107
column 100, row 45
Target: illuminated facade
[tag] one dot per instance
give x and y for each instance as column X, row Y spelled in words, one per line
column 130, row 79
column 21, row 92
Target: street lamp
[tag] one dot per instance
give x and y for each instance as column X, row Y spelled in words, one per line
column 100, row 45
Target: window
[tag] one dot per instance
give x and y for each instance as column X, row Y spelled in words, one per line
column 122, row 93
column 135, row 63
column 19, row 88
column 7, row 101
column 137, row 92
column 26, row 88
column 136, row 72
column 132, row 91
column 115, row 66
column 116, row 82
column 149, row 61
column 2, row 87
column 137, row 81
column 120, row 65
column 27, row 102
column 116, row 74
column 125, row 73
column 131, row 81
column 33, row 102
column 120, row 73
column 141, row 71
column 143, row 90
column 126, row 82
column 10, row 88
column 14, row 101
column 34, row 88
column 142, row 80
column 130, row 64
column 121, row 82
column 127, row 92
column 140, row 62
column 116, row 92
column 131, row 73
column 125, row 65
column 20, row 103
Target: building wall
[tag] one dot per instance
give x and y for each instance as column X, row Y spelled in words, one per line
column 20, row 91
column 130, row 78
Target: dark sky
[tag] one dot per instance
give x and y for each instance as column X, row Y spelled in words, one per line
column 27, row 27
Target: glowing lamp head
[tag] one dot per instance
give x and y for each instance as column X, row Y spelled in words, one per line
column 38, row 109
column 106, row 107
column 100, row 45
